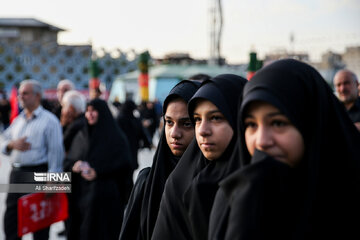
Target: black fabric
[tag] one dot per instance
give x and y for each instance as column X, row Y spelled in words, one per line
column 323, row 190
column 149, row 114
column 70, row 131
column 354, row 111
column 254, row 214
column 190, row 189
column 224, row 91
column 184, row 89
column 132, row 127
column 5, row 109
column 130, row 227
column 96, row 207
column 147, row 197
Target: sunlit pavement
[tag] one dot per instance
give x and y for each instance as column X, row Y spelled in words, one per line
column 144, row 158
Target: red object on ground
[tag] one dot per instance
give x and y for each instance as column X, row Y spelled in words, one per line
column 36, row 212
column 13, row 104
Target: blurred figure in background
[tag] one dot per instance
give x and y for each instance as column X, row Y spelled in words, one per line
column 34, row 143
column 72, row 116
column 62, row 87
column 149, row 118
column 136, row 134
column 94, row 93
column 117, row 103
column 100, row 160
column 72, row 120
column 346, row 86
column 4, row 111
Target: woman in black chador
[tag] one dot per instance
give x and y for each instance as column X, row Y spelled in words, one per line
column 300, row 162
column 190, row 189
column 178, row 131
column 100, row 161
column 133, row 129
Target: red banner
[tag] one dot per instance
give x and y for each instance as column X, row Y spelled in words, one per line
column 35, row 211
column 13, row 104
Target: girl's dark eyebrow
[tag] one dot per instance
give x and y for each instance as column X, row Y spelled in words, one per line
column 210, row 112
column 184, row 119
column 181, row 119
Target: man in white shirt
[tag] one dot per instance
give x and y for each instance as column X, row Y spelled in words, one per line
column 34, row 143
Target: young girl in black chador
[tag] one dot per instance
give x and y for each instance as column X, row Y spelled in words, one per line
column 190, row 189
column 300, row 162
column 178, row 131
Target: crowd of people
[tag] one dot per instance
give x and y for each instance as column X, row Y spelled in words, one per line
column 274, row 157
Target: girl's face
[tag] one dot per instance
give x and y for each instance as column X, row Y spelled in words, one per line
column 212, row 130
column 179, row 130
column 92, row 115
column 270, row 131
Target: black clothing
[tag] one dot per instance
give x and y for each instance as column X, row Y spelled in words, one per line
column 130, row 227
column 57, row 110
column 190, row 189
column 70, row 131
column 354, row 111
column 5, row 112
column 134, row 130
column 49, row 105
column 259, row 213
column 318, row 199
column 11, row 213
column 96, row 207
column 149, row 114
column 144, row 202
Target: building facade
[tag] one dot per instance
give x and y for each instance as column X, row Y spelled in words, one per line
column 29, row 50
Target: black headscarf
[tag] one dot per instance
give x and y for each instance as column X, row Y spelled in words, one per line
column 190, row 189
column 319, row 198
column 163, row 164
column 105, row 137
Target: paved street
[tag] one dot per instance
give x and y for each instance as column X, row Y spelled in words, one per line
column 145, row 160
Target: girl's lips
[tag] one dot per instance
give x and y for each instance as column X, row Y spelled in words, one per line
column 176, row 145
column 207, row 144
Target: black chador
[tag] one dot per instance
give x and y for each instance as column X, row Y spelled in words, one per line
column 143, row 207
column 190, row 189
column 316, row 199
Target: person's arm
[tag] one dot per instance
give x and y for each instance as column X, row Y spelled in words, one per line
column 55, row 148
column 19, row 144
column 8, row 143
